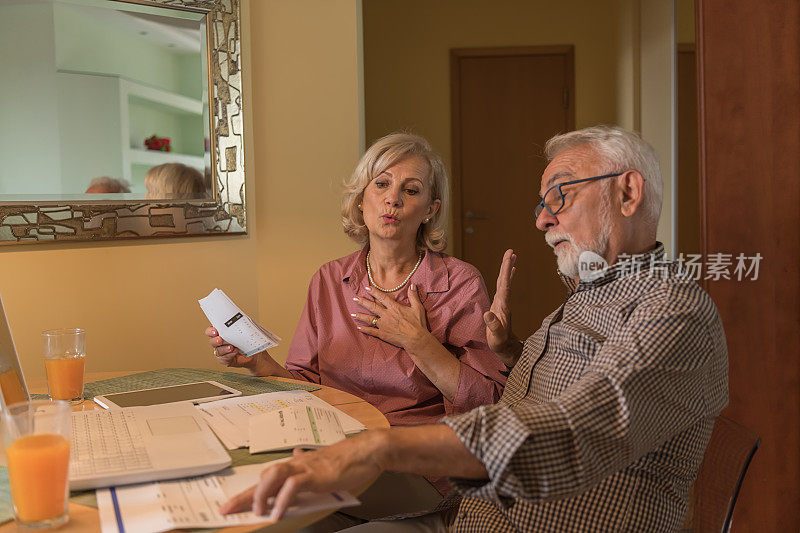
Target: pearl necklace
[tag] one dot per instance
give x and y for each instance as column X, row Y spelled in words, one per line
column 372, row 281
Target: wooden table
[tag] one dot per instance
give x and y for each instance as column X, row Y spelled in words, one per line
column 84, row 518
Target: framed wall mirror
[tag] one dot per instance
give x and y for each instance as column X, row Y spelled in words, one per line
column 120, row 119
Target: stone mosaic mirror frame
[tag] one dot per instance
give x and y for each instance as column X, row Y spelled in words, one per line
column 98, row 220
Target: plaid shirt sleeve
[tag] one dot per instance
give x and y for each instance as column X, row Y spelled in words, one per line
column 649, row 381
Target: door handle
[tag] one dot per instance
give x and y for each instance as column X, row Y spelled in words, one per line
column 474, row 216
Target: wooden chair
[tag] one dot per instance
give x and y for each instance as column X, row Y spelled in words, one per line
column 724, row 466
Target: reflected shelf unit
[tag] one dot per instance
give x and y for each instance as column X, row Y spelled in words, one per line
column 160, row 101
column 150, row 158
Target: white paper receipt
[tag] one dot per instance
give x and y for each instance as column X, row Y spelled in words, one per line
column 303, row 426
column 235, row 326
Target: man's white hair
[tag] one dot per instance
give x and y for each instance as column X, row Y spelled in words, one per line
column 619, row 150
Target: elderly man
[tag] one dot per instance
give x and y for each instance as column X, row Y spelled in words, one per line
column 610, row 403
column 106, row 185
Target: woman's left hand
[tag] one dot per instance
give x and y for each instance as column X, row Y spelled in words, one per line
column 405, row 326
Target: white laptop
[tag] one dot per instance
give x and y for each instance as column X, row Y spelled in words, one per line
column 128, row 445
column 136, row 444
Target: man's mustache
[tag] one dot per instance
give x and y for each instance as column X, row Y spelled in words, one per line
column 554, row 238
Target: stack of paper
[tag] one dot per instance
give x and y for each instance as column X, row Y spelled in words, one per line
column 194, row 502
column 296, row 426
column 235, row 326
column 231, row 419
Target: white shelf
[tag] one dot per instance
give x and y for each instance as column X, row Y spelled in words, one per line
column 126, row 96
column 162, row 98
column 154, row 157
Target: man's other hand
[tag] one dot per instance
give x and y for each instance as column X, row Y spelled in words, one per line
column 348, row 464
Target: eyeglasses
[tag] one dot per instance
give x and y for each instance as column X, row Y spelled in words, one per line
column 553, row 199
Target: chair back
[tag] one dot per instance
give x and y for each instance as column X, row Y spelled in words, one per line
column 722, row 471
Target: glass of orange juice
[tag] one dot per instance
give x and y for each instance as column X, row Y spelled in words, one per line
column 36, row 437
column 64, row 358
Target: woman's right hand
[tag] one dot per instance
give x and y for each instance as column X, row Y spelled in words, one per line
column 227, row 354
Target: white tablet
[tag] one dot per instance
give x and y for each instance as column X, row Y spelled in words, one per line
column 203, row 391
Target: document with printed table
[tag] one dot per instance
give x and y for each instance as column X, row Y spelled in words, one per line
column 235, row 326
column 296, row 426
column 230, row 418
column 194, row 502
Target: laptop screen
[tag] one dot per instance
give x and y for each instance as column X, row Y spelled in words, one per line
column 12, row 384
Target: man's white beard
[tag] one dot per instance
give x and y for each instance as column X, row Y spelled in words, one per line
column 569, row 253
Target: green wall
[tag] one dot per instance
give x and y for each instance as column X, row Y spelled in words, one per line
column 85, row 44
column 89, row 127
column 29, row 140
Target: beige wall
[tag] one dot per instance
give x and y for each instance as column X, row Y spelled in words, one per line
column 407, row 43
column 306, row 121
column 137, row 299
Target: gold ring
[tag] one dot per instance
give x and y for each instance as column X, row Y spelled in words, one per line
column 375, row 322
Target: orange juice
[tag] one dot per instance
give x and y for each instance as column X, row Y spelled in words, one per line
column 11, row 387
column 65, row 377
column 37, row 469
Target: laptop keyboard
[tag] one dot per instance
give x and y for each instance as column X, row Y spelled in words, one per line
column 106, row 442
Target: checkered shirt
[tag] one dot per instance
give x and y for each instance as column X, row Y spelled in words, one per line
column 607, row 413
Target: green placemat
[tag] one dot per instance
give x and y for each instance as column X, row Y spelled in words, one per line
column 164, row 377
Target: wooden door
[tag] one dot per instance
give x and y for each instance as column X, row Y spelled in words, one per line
column 748, row 54
column 506, row 103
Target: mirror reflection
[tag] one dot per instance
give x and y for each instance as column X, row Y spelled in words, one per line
column 101, row 100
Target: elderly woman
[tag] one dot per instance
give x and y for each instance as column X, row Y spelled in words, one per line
column 397, row 323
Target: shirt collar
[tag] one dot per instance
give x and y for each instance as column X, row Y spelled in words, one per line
column 626, row 265
column 355, row 273
column 432, row 274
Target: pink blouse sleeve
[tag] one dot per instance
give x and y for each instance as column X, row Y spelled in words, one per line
column 302, row 360
column 481, row 380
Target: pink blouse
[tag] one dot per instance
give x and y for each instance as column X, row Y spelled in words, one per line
column 329, row 350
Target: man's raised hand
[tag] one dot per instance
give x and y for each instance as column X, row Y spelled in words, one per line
column 499, row 336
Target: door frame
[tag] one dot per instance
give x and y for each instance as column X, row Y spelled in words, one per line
column 456, row 55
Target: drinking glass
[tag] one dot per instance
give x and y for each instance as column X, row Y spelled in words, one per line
column 64, row 361
column 36, row 437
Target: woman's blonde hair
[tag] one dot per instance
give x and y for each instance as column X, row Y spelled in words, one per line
column 384, row 153
column 174, row 180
